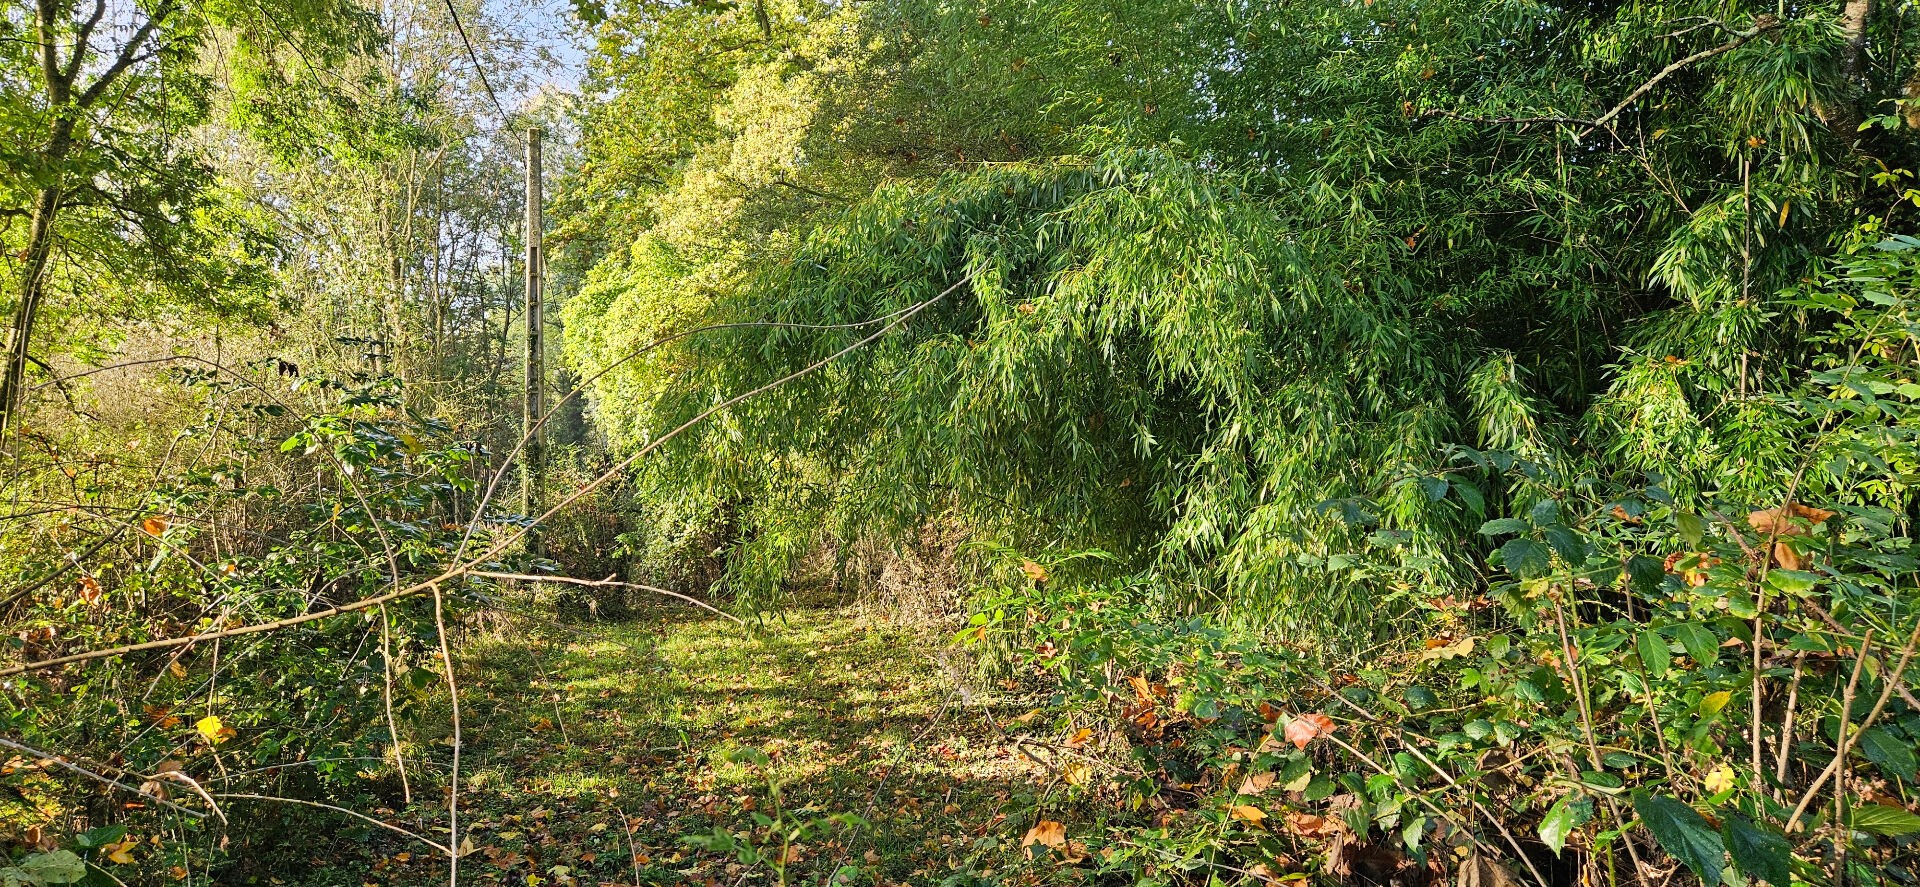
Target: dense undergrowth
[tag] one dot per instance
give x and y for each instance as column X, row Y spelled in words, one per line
column 1374, row 442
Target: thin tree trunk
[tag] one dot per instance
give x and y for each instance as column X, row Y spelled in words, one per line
column 33, row 287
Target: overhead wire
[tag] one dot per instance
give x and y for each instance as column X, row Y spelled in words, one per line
column 478, row 69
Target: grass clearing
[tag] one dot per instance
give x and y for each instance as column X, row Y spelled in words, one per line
column 589, row 759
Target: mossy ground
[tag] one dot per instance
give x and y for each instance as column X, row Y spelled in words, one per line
column 592, row 752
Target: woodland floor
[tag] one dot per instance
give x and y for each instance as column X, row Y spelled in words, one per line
column 591, row 754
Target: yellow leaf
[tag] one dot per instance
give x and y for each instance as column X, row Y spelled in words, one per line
column 215, row 731
column 1714, row 702
column 1034, row 571
column 1719, row 779
column 1248, row 813
column 1076, row 773
column 121, row 853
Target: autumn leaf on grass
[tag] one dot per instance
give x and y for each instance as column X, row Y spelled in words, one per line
column 154, row 526
column 214, row 731
column 1046, row 832
column 1034, row 571
column 1439, row 649
column 1304, row 728
column 1079, row 737
column 1255, row 783
column 1307, row 825
column 90, row 590
column 1076, row 773
column 1248, row 814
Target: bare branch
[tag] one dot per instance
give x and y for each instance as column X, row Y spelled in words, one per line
column 65, row 764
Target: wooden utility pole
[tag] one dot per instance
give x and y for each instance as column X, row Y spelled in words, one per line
column 533, row 464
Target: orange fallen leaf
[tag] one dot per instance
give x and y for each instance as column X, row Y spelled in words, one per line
column 154, row 526
column 1255, row 783
column 1307, row 825
column 1248, row 814
column 90, row 590
column 1046, row 832
column 1305, row 728
column 1034, row 571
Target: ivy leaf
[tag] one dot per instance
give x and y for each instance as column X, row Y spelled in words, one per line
column 58, row 867
column 1758, row 852
column 1683, row 833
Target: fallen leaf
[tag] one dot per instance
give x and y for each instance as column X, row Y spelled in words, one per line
column 1248, row 813
column 1079, row 737
column 1304, row 728
column 90, row 590
column 154, row 526
column 1255, row 783
column 1034, row 571
column 1045, row 832
column 1308, row 825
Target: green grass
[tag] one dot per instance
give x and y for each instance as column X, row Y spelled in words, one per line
column 578, row 742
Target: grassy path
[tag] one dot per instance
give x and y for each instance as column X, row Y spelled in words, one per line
column 590, row 760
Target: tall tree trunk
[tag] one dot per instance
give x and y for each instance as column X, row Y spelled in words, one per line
column 1844, row 117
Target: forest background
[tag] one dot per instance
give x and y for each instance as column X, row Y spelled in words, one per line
column 1374, row 441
